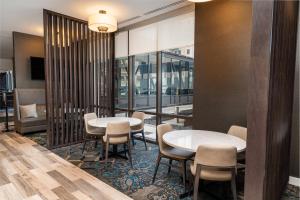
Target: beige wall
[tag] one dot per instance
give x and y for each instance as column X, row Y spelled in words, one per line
column 6, row 64
column 26, row 45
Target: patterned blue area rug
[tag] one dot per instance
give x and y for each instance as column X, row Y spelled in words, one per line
column 137, row 181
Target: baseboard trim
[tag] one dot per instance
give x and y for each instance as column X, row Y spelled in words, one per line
column 294, row 181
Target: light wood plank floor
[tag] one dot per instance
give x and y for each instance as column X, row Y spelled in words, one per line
column 31, row 172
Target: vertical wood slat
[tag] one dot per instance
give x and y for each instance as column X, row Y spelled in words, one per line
column 105, row 76
column 71, row 28
column 112, row 70
column 79, row 66
column 66, row 79
column 92, row 69
column 96, row 74
column 75, row 81
column 55, row 79
column 84, row 68
column 88, row 70
column 101, row 74
column 61, row 82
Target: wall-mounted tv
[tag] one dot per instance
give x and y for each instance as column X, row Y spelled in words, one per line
column 37, row 68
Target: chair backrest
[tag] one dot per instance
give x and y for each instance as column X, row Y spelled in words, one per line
column 216, row 156
column 87, row 117
column 238, row 131
column 161, row 130
column 118, row 129
column 141, row 116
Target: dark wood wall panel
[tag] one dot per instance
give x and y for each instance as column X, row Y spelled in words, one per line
column 271, row 86
column 78, row 76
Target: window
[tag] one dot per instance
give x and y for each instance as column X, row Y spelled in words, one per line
column 158, row 56
column 121, row 83
column 177, row 84
column 145, row 82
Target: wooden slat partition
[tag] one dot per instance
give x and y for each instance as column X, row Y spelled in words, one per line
column 79, row 69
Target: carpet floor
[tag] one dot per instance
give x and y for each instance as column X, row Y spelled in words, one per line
column 137, row 181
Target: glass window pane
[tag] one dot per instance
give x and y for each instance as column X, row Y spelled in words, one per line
column 144, row 87
column 121, row 83
column 177, row 82
column 119, row 113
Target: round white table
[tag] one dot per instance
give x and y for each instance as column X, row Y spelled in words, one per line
column 102, row 122
column 190, row 139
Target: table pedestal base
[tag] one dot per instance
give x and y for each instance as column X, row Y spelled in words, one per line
column 116, row 153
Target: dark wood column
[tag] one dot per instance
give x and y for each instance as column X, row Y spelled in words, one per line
column 272, row 68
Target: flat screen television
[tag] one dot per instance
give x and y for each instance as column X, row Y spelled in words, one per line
column 37, row 68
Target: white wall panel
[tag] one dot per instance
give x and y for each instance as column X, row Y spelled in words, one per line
column 121, row 44
column 143, row 39
column 176, row 32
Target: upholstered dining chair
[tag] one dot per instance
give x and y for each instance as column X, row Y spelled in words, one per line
column 240, row 132
column 91, row 133
column 171, row 153
column 214, row 163
column 117, row 133
column 138, row 129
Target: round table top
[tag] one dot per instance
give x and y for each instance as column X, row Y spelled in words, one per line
column 190, row 139
column 102, row 122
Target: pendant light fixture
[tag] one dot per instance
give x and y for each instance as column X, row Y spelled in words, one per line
column 102, row 22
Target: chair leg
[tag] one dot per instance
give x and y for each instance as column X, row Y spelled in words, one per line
column 124, row 149
column 184, row 173
column 156, row 168
column 143, row 134
column 233, row 188
column 196, row 185
column 106, row 152
column 132, row 139
column 170, row 165
column 103, row 150
column 83, row 146
column 129, row 153
column 96, row 143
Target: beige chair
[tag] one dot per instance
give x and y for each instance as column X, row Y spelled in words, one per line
column 117, row 133
column 140, row 128
column 214, row 163
column 91, row 133
column 171, row 153
column 26, row 97
column 238, row 131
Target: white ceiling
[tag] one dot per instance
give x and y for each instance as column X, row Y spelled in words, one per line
column 27, row 15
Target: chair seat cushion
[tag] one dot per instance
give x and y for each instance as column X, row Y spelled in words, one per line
column 212, row 175
column 38, row 121
column 115, row 140
column 177, row 153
